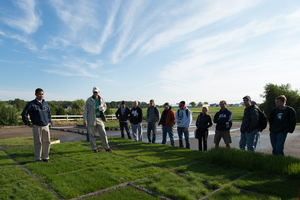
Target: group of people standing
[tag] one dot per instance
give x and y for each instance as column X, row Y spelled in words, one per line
column 282, row 121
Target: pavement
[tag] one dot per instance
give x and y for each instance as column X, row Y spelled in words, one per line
column 73, row 133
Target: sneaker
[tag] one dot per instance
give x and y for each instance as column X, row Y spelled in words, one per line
column 39, row 161
column 95, row 151
column 108, row 150
column 46, row 160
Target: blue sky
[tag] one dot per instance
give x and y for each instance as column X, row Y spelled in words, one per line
column 140, row 50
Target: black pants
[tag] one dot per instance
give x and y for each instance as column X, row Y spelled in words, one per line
column 122, row 126
column 202, row 137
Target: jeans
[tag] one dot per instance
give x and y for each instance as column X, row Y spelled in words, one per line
column 151, row 126
column 277, row 142
column 249, row 139
column 137, row 132
column 180, row 130
column 165, row 130
column 122, row 126
column 202, row 137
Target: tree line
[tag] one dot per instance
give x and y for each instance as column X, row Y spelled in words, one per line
column 10, row 110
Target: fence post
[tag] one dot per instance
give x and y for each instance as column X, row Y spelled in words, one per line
column 67, row 118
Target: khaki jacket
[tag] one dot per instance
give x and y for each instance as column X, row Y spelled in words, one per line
column 89, row 114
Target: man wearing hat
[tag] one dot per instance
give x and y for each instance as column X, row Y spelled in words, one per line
column 167, row 121
column 123, row 115
column 183, row 118
column 249, row 129
column 93, row 118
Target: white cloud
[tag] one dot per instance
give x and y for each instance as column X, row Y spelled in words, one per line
column 27, row 20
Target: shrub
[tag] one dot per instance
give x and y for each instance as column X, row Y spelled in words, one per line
column 8, row 115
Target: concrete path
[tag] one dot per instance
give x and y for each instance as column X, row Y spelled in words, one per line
column 64, row 134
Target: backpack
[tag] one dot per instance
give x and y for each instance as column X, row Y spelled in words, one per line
column 187, row 112
column 262, row 120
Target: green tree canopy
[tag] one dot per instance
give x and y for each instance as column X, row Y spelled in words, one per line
column 200, row 104
column 272, row 91
column 193, row 104
column 78, row 104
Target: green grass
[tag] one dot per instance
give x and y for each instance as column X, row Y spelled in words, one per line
column 26, row 189
column 19, row 141
column 254, row 161
column 233, row 193
column 165, row 170
column 129, row 170
column 124, row 193
column 271, row 184
column 171, row 185
column 78, row 183
column 212, row 172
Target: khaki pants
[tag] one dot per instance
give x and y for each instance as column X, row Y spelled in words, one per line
column 41, row 137
column 100, row 128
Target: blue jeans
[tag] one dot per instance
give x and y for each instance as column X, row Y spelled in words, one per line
column 166, row 130
column 180, row 130
column 277, row 142
column 151, row 126
column 122, row 126
column 249, row 139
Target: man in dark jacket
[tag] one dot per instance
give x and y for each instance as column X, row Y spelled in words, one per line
column 167, row 121
column 136, row 117
column 249, row 129
column 223, row 121
column 40, row 115
column 282, row 121
column 123, row 115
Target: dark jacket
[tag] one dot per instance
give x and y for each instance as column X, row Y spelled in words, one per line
column 250, row 119
column 221, row 118
column 125, row 117
column 203, row 122
column 136, row 115
column 167, row 118
column 40, row 114
column 283, row 121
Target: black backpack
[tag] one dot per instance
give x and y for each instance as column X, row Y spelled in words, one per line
column 262, row 120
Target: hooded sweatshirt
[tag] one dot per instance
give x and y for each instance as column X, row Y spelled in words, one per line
column 181, row 115
column 221, row 118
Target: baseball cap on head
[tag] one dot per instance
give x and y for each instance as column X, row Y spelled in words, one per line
column 247, row 97
column 95, row 89
column 166, row 104
column 123, row 102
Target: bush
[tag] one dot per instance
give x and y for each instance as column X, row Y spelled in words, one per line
column 8, row 115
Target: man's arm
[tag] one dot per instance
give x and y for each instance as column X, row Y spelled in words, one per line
column 141, row 115
column 103, row 104
column 117, row 113
column 25, row 113
column 85, row 113
column 209, row 122
column 216, row 118
column 293, row 120
column 49, row 115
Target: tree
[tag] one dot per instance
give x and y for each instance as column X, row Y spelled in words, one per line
column 193, row 104
column 60, row 111
column 242, row 103
column 19, row 103
column 200, row 104
column 78, row 104
column 272, row 91
column 205, row 103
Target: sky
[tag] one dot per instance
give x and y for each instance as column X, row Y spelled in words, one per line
column 169, row 51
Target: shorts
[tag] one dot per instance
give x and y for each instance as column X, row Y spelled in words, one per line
column 222, row 134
